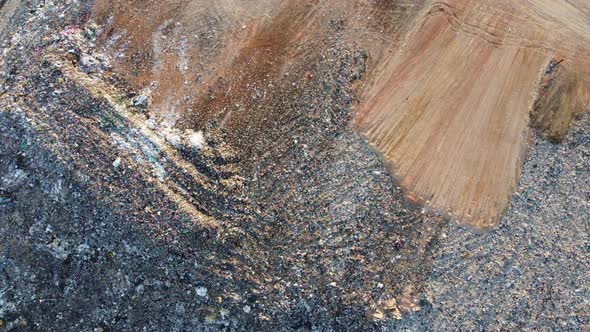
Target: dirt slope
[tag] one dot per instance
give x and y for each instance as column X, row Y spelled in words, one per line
column 450, row 109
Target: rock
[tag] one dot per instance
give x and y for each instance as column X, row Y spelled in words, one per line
column 247, row 309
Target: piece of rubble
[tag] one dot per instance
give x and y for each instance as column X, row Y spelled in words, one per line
column 90, row 64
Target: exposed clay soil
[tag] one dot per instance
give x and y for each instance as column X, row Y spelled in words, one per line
column 450, row 108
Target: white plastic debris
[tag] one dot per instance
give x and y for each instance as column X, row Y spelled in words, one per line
column 201, row 291
column 151, row 124
column 172, row 137
column 117, row 162
column 196, row 140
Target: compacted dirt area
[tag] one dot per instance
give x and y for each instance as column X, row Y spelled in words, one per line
column 450, row 109
column 294, row 165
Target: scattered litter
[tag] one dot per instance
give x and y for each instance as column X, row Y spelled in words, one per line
column 141, row 101
column 117, row 162
column 90, row 64
column 196, row 140
column 151, row 124
column 173, row 137
column 202, row 291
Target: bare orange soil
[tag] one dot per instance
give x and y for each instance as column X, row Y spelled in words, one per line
column 447, row 103
column 450, row 109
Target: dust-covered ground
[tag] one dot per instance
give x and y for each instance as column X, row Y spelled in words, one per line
column 110, row 221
